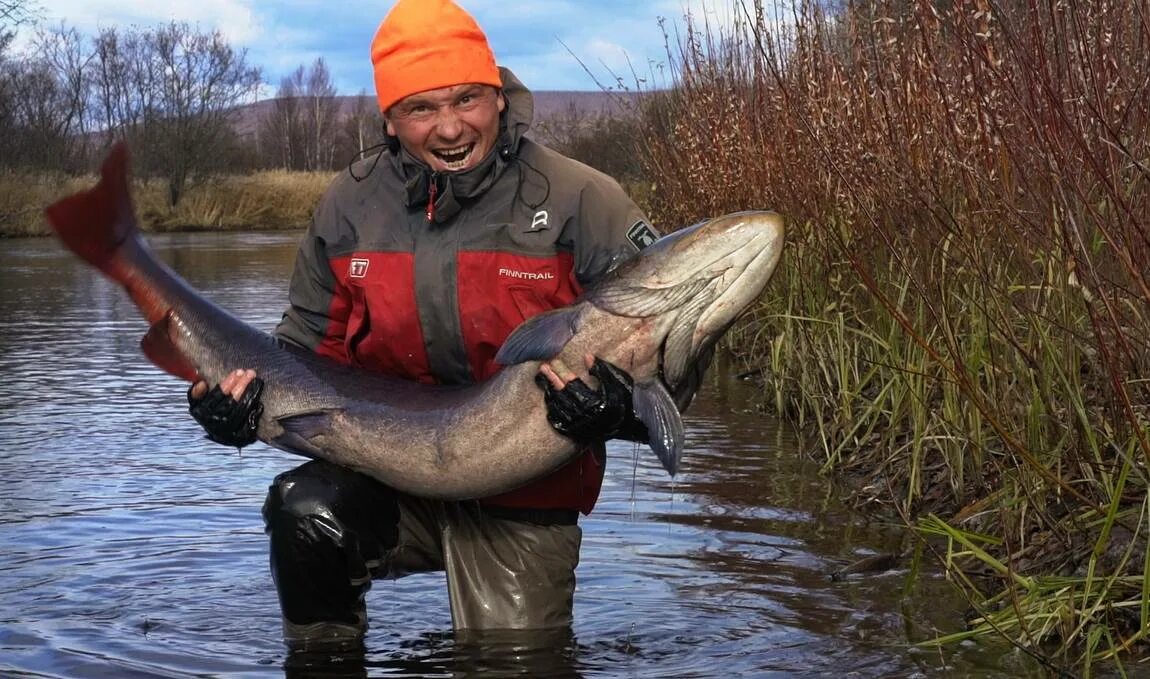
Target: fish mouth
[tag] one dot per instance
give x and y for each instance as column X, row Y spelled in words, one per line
column 746, row 284
column 734, row 290
column 456, row 158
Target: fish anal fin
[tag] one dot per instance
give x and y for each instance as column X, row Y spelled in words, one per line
column 656, row 409
column 162, row 352
column 540, row 337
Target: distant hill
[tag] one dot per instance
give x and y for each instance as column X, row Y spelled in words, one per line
column 548, row 103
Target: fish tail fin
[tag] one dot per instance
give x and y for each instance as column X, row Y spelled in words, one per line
column 94, row 223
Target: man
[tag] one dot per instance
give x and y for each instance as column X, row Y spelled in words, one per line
column 418, row 264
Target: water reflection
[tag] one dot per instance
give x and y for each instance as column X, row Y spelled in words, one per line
column 134, row 548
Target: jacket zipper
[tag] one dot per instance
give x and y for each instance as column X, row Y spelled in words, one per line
column 432, row 189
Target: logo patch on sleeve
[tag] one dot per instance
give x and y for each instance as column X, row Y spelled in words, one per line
column 641, row 234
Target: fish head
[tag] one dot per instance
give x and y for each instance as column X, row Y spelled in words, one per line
column 695, row 282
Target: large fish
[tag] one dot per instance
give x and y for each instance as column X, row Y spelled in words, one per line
column 652, row 316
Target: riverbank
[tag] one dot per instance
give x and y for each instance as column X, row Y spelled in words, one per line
column 961, row 321
column 266, row 201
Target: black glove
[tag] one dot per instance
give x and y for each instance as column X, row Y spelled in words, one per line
column 588, row 415
column 226, row 420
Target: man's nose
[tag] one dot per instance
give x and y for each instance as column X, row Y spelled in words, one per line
column 449, row 125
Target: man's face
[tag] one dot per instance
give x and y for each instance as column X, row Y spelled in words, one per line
column 450, row 128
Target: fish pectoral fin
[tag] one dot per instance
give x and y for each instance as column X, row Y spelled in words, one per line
column 540, row 337
column 656, row 409
column 300, row 428
column 157, row 345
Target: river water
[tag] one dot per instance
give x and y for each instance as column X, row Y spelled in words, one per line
column 131, row 547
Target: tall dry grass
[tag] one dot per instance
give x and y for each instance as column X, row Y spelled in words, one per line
column 268, row 200
column 963, row 314
column 24, row 195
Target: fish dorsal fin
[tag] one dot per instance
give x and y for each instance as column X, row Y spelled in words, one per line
column 639, row 301
column 540, row 337
column 157, row 345
column 656, row 409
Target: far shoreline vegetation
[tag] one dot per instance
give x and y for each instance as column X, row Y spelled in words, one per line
column 279, row 199
column 269, row 200
column 961, row 323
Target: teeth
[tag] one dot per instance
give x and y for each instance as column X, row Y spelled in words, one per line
column 455, row 159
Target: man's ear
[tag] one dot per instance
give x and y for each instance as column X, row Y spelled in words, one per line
column 388, row 127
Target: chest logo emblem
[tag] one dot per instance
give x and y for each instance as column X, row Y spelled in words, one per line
column 358, row 268
column 539, row 221
column 526, row 275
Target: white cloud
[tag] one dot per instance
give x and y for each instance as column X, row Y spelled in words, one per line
column 236, row 19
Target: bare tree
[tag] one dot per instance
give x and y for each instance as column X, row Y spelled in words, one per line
column 361, row 130
column 61, row 50
column 281, row 129
column 173, row 91
column 7, row 104
column 321, row 111
column 38, row 118
column 41, row 112
column 13, row 13
column 125, row 85
column 302, row 122
column 204, row 81
column 16, row 12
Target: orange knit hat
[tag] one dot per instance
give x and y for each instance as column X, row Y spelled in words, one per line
column 427, row 44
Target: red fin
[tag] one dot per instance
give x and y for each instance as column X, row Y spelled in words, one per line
column 158, row 347
column 95, row 222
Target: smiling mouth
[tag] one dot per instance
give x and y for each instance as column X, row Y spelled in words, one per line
column 456, row 158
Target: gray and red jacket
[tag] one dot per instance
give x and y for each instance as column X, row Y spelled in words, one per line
column 423, row 285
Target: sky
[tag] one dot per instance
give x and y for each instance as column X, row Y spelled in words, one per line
column 549, row 44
